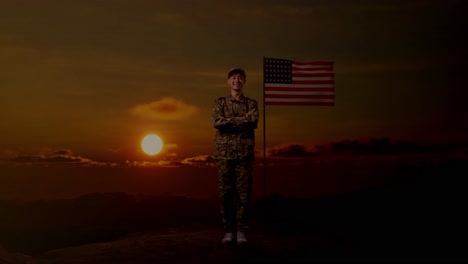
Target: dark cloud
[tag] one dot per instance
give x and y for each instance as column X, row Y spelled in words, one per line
column 385, row 146
column 63, row 152
column 27, row 159
column 167, row 108
column 372, row 146
column 290, row 150
column 60, row 156
column 64, row 156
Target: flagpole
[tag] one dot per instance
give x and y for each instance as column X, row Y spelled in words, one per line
column 264, row 134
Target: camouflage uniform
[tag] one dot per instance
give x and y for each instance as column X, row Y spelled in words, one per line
column 234, row 153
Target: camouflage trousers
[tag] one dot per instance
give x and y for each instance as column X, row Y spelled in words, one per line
column 235, row 189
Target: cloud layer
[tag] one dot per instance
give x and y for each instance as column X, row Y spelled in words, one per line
column 290, row 150
column 61, row 156
column 167, row 108
column 371, row 146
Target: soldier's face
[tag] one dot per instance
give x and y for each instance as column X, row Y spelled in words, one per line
column 236, row 82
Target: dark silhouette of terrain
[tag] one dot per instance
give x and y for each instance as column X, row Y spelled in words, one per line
column 44, row 225
column 417, row 218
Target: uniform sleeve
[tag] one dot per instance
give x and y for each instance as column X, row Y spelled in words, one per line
column 250, row 120
column 217, row 117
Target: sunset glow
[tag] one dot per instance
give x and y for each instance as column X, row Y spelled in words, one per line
column 151, row 144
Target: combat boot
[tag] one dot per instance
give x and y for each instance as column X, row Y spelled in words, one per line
column 241, row 237
column 228, row 237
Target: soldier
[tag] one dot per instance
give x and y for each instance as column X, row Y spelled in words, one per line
column 235, row 117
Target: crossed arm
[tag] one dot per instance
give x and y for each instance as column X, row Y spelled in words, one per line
column 248, row 121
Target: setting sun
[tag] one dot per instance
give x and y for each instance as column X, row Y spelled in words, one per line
column 152, row 144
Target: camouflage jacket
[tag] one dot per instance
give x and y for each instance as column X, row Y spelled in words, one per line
column 235, row 121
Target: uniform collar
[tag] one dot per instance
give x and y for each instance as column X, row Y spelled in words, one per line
column 230, row 97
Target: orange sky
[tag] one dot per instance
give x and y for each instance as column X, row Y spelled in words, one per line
column 86, row 80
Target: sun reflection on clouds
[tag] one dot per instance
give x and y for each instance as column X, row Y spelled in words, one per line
column 200, row 160
column 151, row 164
column 197, row 161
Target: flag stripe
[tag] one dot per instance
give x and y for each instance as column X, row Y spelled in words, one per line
column 303, row 96
column 303, row 103
column 299, row 93
column 298, row 81
column 307, row 74
column 286, row 89
column 300, row 86
column 329, row 63
column 306, row 78
column 299, row 100
column 312, row 70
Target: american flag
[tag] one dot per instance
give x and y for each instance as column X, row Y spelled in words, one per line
column 289, row 82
